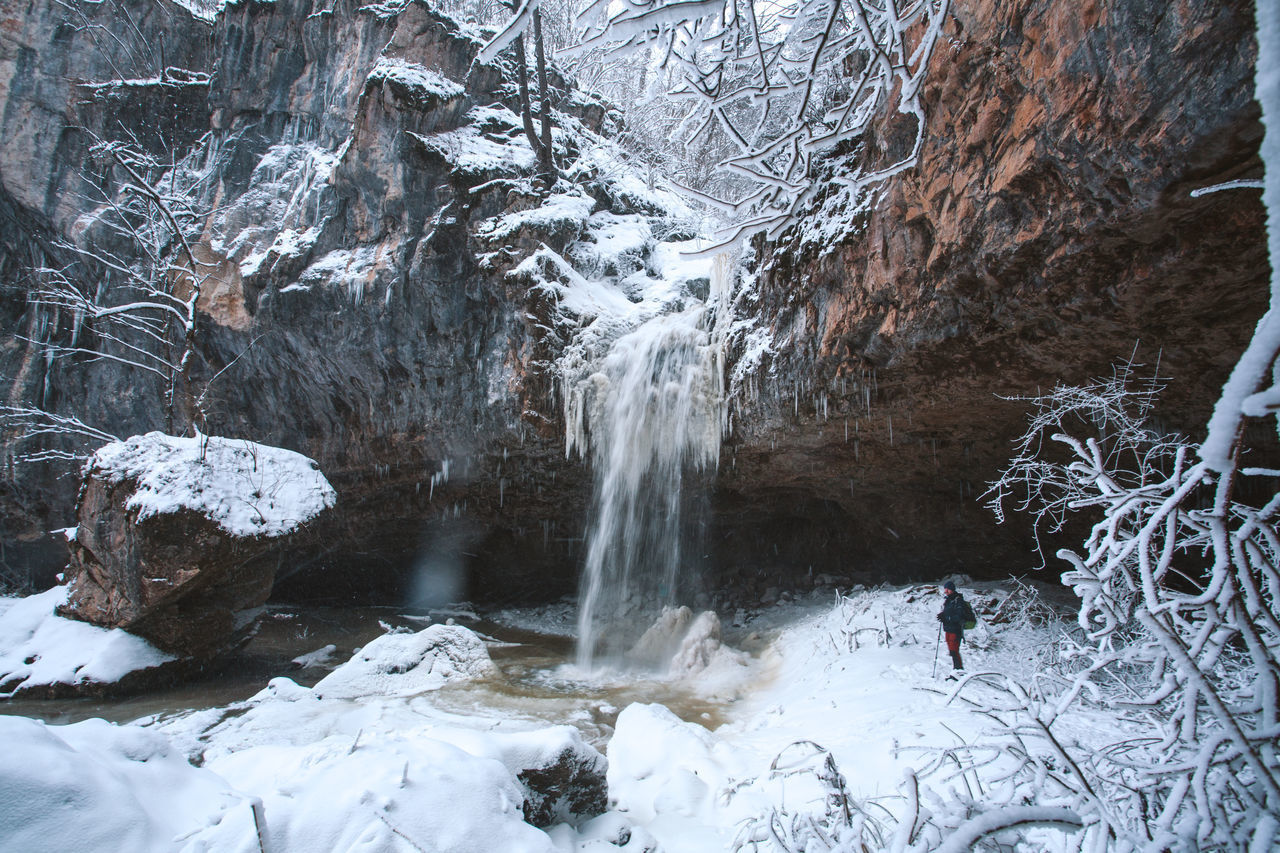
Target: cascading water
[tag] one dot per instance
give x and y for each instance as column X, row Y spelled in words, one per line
column 653, row 405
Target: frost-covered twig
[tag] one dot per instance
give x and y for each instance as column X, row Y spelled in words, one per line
column 778, row 86
column 1177, row 633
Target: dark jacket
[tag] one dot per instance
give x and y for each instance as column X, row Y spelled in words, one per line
column 954, row 611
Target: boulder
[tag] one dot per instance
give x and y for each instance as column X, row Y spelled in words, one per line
column 563, row 777
column 177, row 539
column 406, row 663
column 568, row 789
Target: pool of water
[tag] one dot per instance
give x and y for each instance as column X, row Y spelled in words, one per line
column 537, row 680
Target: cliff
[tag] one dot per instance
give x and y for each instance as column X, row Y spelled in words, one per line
column 345, row 158
column 1046, row 234
column 353, row 162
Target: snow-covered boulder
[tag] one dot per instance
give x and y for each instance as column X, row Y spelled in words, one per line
column 563, row 776
column 391, row 792
column 177, row 537
column 404, row 663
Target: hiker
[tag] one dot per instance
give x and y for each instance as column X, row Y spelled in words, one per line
column 956, row 615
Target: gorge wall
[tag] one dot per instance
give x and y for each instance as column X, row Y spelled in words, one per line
column 1046, row 234
column 363, row 314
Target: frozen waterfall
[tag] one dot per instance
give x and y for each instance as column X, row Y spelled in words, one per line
column 651, row 409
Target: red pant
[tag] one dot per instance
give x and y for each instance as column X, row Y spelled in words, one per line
column 953, row 642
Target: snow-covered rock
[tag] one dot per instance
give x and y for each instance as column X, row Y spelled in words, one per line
column 177, row 537
column 245, row 488
column 97, row 786
column 402, row 663
column 563, row 777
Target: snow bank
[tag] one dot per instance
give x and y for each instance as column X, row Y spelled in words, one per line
column 96, row 786
column 393, row 770
column 854, row 682
column 560, row 212
column 247, row 489
column 389, row 793
column 38, row 647
column 408, row 663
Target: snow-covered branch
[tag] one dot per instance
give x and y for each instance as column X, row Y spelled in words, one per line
column 776, row 87
column 1178, row 613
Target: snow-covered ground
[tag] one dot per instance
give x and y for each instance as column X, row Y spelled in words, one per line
column 39, row 648
column 377, row 756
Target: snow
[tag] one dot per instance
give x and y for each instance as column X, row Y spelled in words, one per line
column 559, row 211
column 371, row 763
column 471, row 151
column 96, row 786
column 38, row 647
column 319, row 657
column 356, row 270
column 204, row 10
column 406, row 664
column 245, row 488
column 422, row 81
column 280, row 213
column 397, row 792
column 626, row 183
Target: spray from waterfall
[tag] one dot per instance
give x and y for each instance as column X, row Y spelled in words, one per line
column 653, row 407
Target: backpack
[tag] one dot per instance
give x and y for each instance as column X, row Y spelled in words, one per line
column 970, row 620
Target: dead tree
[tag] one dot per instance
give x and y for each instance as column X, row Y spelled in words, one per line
column 525, row 18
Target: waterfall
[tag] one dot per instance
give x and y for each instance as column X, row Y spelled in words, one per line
column 654, row 407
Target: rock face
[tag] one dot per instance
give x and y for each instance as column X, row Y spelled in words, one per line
column 1047, row 233
column 174, row 544
column 353, row 313
column 356, row 160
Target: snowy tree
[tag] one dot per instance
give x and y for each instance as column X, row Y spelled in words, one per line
column 774, row 87
column 1178, row 628
column 1179, row 585
column 129, row 291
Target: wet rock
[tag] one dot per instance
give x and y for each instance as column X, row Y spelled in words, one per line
column 569, row 789
column 1047, row 227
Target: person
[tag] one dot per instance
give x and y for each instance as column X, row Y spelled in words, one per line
column 955, row 612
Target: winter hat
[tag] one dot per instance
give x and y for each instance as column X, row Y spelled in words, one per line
column 951, row 585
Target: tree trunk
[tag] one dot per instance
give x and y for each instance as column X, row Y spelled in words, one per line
column 546, row 154
column 526, row 111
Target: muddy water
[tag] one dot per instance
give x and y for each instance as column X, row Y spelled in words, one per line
column 537, row 682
